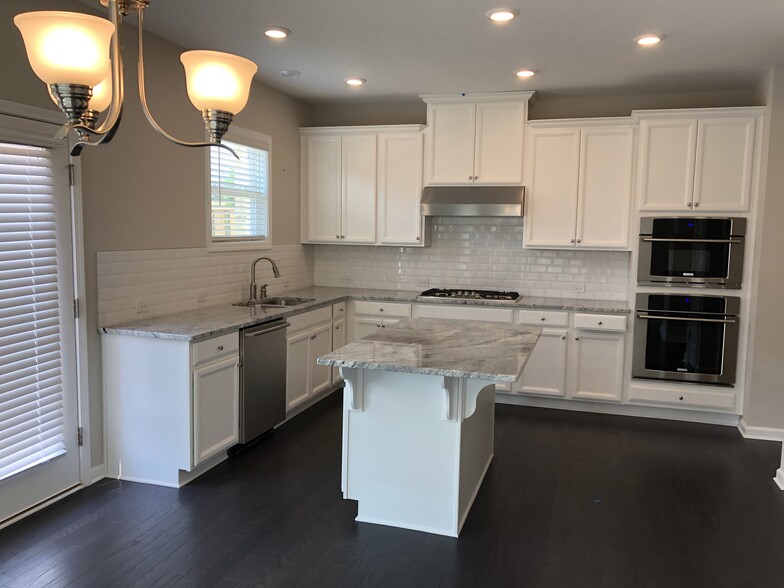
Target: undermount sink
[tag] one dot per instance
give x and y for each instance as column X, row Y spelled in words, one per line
column 275, row 301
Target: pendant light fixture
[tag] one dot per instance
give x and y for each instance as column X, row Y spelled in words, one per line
column 79, row 58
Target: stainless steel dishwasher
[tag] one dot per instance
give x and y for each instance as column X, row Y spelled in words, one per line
column 262, row 379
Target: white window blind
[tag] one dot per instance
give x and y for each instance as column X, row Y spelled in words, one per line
column 31, row 399
column 239, row 193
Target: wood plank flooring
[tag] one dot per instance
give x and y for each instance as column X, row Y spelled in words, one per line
column 571, row 500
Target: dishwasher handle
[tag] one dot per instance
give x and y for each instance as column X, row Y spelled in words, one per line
column 265, row 331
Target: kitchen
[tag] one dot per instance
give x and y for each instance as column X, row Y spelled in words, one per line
column 157, row 244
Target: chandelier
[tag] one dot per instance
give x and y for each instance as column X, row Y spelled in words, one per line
column 79, row 58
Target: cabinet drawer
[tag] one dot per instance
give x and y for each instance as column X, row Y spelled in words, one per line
column 397, row 309
column 550, row 318
column 468, row 313
column 600, row 322
column 339, row 310
column 683, row 396
column 210, row 349
column 309, row 319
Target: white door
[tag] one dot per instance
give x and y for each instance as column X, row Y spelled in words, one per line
column 39, row 455
column 399, row 188
column 498, row 156
column 338, row 341
column 596, row 365
column 358, row 202
column 216, row 413
column 545, row 372
column 297, row 368
column 323, row 188
column 667, row 151
column 553, row 157
column 320, row 344
column 725, row 150
column 604, row 197
column 450, row 143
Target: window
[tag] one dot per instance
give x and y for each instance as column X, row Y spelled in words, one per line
column 239, row 196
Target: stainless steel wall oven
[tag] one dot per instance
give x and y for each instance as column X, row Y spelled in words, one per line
column 687, row 251
column 686, row 338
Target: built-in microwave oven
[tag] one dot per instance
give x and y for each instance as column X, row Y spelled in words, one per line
column 691, row 251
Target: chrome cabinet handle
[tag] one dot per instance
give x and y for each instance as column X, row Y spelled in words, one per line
column 664, row 240
column 683, row 318
column 265, row 331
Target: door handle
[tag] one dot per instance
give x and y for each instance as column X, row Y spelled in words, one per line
column 265, row 331
column 663, row 240
column 683, row 318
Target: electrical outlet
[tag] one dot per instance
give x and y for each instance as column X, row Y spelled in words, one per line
column 201, row 297
column 578, row 288
column 142, row 306
column 346, row 280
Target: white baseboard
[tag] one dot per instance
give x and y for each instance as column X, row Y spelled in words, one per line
column 779, row 479
column 97, row 473
column 690, row 416
column 760, row 433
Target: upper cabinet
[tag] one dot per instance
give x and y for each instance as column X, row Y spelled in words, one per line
column 697, row 161
column 579, row 184
column 362, row 185
column 475, row 139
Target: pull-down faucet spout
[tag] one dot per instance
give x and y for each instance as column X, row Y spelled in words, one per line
column 253, row 289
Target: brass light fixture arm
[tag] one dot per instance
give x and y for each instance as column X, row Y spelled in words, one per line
column 143, row 96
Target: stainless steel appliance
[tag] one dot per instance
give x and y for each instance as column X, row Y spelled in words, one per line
column 473, row 201
column 262, row 378
column 686, row 338
column 459, row 294
column 688, row 251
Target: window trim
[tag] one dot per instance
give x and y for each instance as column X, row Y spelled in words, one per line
column 252, row 139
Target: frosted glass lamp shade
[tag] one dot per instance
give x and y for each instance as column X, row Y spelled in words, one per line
column 66, row 47
column 218, row 81
column 102, row 95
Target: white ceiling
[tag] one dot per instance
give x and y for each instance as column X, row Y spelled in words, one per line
column 409, row 47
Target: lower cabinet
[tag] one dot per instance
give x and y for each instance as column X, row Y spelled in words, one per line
column 545, row 372
column 596, row 365
column 368, row 316
column 215, row 408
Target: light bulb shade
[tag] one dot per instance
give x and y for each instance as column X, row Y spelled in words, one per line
column 102, row 95
column 66, row 47
column 218, row 81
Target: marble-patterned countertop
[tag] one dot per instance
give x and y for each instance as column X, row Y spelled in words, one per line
column 437, row 347
column 211, row 321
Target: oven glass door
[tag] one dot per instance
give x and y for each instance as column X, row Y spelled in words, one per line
column 685, row 346
column 693, row 259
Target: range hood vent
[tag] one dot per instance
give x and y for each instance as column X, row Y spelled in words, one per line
column 473, row 201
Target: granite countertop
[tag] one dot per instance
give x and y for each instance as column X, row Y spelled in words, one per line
column 203, row 323
column 437, row 347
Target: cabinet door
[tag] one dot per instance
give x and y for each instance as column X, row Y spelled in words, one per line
column 338, row 341
column 545, row 372
column 450, row 143
column 400, row 189
column 604, row 195
column 358, row 201
column 596, row 365
column 323, row 189
column 725, row 150
column 552, row 157
column 216, row 415
column 297, row 368
column 364, row 326
column 320, row 344
column 667, row 151
column 498, row 155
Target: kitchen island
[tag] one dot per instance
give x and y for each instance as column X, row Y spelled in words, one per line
column 418, row 417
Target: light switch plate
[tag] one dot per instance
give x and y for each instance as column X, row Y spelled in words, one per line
column 577, row 288
column 142, row 306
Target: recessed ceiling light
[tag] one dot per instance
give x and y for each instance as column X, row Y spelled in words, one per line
column 277, row 32
column 356, row 81
column 289, row 73
column 502, row 14
column 525, row 73
column 648, row 40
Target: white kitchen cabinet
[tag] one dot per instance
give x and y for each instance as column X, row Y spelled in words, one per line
column 297, row 368
column 545, row 372
column 368, row 316
column 697, row 161
column 362, row 185
column 596, row 358
column 579, row 182
column 172, row 406
column 400, row 221
column 309, row 337
column 475, row 139
column 367, row 325
column 215, row 408
column 338, row 341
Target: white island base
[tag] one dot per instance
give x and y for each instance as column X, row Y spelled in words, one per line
column 416, row 447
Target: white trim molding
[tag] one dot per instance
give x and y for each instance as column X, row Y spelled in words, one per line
column 97, row 473
column 779, row 479
column 760, row 433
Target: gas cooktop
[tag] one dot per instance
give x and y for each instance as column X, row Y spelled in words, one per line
column 457, row 294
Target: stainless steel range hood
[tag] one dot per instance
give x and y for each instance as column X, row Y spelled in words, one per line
column 473, row 201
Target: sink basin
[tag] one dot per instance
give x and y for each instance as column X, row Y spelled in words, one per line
column 275, row 301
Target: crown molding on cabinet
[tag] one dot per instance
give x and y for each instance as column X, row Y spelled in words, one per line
column 482, row 97
column 701, row 112
column 362, row 130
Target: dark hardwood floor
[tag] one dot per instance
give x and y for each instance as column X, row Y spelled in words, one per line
column 571, row 500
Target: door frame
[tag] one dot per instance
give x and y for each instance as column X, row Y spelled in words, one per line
column 86, row 473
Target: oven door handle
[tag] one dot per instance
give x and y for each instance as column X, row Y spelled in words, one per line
column 682, row 318
column 664, row 240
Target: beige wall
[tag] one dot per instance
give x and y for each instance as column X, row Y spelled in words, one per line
column 139, row 191
column 764, row 401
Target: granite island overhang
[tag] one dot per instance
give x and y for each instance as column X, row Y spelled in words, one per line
column 418, row 417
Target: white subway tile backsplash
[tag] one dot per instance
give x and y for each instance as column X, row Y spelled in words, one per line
column 477, row 253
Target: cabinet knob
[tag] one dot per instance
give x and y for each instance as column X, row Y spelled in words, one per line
column 383, row 326
column 337, row 328
column 417, row 238
column 690, row 205
column 579, row 240
column 543, row 319
column 313, row 337
column 342, row 236
column 572, row 241
column 337, row 236
column 342, row 310
column 563, row 337
column 379, row 326
column 220, row 347
column 577, row 338
column 680, row 397
column 470, row 177
column 696, row 204
column 600, row 322
column 476, row 177
column 380, row 310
